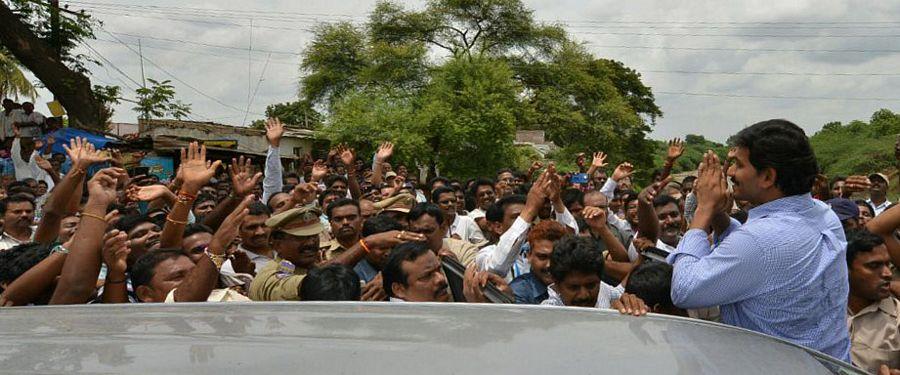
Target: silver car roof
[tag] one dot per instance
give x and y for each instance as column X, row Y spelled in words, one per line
column 389, row 338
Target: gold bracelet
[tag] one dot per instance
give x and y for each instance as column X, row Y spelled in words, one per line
column 173, row 221
column 98, row 217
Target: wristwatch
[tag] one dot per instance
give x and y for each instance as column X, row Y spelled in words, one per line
column 217, row 259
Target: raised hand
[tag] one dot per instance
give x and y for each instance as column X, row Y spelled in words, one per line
column 348, row 156
column 676, row 149
column 374, row 290
column 649, row 193
column 147, row 193
column 197, row 170
column 594, row 216
column 384, row 152
column 622, row 171
column 711, row 188
column 242, row 181
column 599, row 160
column 319, row 170
column 102, row 187
column 274, row 131
column 43, row 163
column 229, row 228
column 855, row 184
column 385, row 240
column 304, row 193
column 115, row 251
column 535, row 165
column 83, row 154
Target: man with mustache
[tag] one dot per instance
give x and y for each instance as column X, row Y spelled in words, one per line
column 872, row 312
column 413, row 273
column 254, row 235
column 783, row 272
column 531, row 288
column 878, row 193
column 346, row 223
column 18, row 216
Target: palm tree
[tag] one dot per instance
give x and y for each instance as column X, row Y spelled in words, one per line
column 13, row 82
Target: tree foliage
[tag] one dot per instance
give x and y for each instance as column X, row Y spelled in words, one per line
column 73, row 30
column 857, row 147
column 458, row 77
column 13, row 82
column 158, row 100
column 298, row 114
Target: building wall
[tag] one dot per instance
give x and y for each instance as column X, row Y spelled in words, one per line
column 251, row 141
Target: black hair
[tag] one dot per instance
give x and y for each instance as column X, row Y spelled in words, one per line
column 341, row 203
column 17, row 260
column 688, row 179
column 784, row 147
column 145, row 267
column 15, row 198
column 333, row 282
column 861, row 241
column 836, row 179
column 473, row 191
column 442, row 190
column 195, row 228
column 740, row 215
column 380, row 224
column 443, row 180
column 860, row 202
column 329, row 193
column 269, row 202
column 663, row 200
column 571, row 196
column 655, row 175
column 652, row 282
column 423, row 209
column 291, row 175
column 506, row 170
column 330, row 180
column 494, row 213
column 575, row 254
column 628, row 196
column 127, row 223
column 256, row 208
column 43, row 182
column 582, row 224
column 393, row 267
column 504, row 202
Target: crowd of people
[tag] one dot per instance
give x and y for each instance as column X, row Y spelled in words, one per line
column 760, row 241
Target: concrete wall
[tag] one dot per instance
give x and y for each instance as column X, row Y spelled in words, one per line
column 248, row 140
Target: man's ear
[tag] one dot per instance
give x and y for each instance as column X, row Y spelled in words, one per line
column 398, row 290
column 769, row 177
column 145, row 294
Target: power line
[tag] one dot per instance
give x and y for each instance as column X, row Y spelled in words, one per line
column 769, row 73
column 773, row 96
column 752, row 49
column 203, row 44
column 176, row 78
column 112, row 65
column 198, row 52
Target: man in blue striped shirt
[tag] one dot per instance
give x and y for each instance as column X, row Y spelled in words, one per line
column 783, row 273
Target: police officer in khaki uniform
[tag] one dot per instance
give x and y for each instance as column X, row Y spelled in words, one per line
column 295, row 238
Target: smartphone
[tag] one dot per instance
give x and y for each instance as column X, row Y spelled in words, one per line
column 655, row 253
column 580, row 178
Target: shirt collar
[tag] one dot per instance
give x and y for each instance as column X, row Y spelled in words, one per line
column 792, row 203
column 886, row 305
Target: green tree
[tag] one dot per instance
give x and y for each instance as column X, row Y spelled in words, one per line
column 28, row 33
column 858, row 147
column 472, row 72
column 299, row 114
column 13, row 82
column 158, row 100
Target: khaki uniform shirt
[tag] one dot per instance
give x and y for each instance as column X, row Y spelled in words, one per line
column 465, row 251
column 875, row 335
column 332, row 249
column 278, row 281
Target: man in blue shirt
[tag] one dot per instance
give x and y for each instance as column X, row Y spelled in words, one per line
column 783, row 273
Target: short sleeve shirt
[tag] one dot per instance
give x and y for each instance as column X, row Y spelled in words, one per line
column 278, row 281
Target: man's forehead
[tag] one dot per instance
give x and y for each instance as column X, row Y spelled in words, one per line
column 173, row 265
column 447, row 195
column 667, row 209
column 877, row 254
column 423, row 221
column 425, row 263
column 345, row 210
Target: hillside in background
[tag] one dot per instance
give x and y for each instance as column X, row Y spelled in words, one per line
column 855, row 148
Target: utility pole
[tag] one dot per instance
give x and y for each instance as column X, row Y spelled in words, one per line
column 55, row 37
column 141, row 54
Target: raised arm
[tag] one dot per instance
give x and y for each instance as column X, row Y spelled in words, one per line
column 675, row 150
column 502, row 256
column 272, row 182
column 59, row 205
column 79, row 274
column 348, row 157
column 34, row 282
column 648, row 222
column 242, row 182
column 598, row 162
column 384, row 153
column 622, row 171
column 596, row 219
column 115, row 254
column 197, row 172
column 884, row 226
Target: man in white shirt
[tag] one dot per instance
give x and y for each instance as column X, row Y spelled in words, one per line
column 25, row 160
column 518, row 213
column 577, row 267
column 18, row 214
column 31, row 122
column 878, row 193
column 461, row 227
column 11, row 115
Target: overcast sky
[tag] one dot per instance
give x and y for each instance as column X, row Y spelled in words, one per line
column 840, row 54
